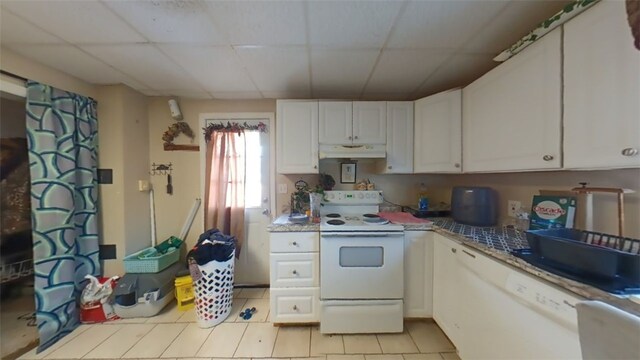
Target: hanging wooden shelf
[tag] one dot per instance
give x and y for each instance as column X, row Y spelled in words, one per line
column 174, row 147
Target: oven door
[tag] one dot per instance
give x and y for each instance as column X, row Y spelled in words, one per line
column 361, row 265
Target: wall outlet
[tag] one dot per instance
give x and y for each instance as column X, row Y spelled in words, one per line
column 143, row 185
column 282, row 188
column 512, row 207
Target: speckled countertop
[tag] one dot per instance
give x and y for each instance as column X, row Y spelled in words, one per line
column 495, row 242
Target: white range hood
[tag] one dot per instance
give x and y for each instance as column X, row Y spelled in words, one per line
column 378, row 151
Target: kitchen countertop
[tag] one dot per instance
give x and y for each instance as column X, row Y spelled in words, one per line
column 495, row 242
column 282, row 224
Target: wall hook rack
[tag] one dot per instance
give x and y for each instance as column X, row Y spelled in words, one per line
column 161, row 169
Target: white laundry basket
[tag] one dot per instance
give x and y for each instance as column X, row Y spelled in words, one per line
column 214, row 292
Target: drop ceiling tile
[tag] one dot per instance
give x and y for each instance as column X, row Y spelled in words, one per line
column 335, row 95
column 75, row 62
column 459, row 71
column 286, row 95
column 387, row 96
column 277, row 69
column 341, row 70
column 185, row 93
column 216, row 68
column 351, row 23
column 517, row 20
column 402, row 71
column 260, row 22
column 15, row 30
column 146, row 63
column 443, row 23
column 237, row 95
column 76, row 21
column 181, row 21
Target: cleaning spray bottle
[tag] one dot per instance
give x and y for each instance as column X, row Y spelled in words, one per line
column 423, row 199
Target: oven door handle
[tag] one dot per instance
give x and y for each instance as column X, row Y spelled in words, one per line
column 361, row 235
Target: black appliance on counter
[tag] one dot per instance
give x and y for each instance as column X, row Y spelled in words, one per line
column 473, row 205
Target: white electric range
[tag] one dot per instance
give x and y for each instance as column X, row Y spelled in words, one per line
column 361, row 266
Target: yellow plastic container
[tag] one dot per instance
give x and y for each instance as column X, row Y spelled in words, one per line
column 184, row 293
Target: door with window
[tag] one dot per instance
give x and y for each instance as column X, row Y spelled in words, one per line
column 252, row 267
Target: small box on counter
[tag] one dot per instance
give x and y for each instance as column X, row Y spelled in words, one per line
column 552, row 212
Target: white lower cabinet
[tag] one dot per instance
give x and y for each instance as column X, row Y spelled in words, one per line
column 418, row 274
column 295, row 277
column 492, row 311
column 292, row 305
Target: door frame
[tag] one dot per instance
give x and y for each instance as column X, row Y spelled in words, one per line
column 269, row 119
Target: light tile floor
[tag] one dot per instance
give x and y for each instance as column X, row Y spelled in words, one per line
column 174, row 335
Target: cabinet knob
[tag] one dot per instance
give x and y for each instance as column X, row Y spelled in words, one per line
column 454, row 250
column 547, row 157
column 294, row 272
column 294, row 243
column 315, row 166
column 457, row 165
column 350, row 138
column 356, row 137
column 630, row 152
column 295, row 307
column 389, row 167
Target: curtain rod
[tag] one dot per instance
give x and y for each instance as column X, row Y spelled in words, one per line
column 13, row 75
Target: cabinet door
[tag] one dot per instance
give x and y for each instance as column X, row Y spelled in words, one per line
column 512, row 115
column 447, row 291
column 336, row 122
column 418, row 274
column 438, row 135
column 297, row 140
column 369, row 122
column 601, row 90
column 399, row 158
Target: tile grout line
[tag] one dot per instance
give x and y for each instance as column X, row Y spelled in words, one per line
column 134, row 344
column 174, row 339
column 85, row 354
column 413, row 341
column 205, row 340
column 239, row 341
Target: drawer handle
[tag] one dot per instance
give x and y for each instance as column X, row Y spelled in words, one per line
column 454, row 250
column 457, row 165
column 630, row 152
column 295, row 307
column 295, row 272
column 294, row 243
column 468, row 253
column 547, row 157
column 568, row 304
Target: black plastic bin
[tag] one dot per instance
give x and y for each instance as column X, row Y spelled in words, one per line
column 600, row 255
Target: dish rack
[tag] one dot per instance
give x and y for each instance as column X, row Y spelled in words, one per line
column 597, row 254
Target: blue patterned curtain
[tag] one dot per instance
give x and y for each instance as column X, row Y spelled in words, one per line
column 62, row 135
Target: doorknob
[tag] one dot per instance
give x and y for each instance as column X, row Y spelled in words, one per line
column 265, row 212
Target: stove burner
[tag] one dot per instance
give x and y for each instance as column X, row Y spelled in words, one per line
column 334, row 215
column 335, row 222
column 371, row 216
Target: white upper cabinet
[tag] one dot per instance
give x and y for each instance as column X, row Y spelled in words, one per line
column 438, row 133
column 512, row 114
column 601, row 90
column 399, row 138
column 353, row 123
column 336, row 122
column 297, row 136
column 369, row 122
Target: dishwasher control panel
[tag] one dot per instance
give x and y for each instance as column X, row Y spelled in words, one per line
column 553, row 302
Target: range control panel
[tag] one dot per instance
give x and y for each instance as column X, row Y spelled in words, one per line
column 353, row 197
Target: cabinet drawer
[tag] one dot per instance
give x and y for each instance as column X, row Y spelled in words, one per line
column 290, row 305
column 295, row 242
column 295, row 269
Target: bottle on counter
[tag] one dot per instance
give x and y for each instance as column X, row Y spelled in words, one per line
column 423, row 199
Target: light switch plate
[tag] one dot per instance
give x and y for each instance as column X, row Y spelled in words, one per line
column 513, row 207
column 143, row 185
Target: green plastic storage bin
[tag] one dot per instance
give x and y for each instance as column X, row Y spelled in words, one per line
column 133, row 265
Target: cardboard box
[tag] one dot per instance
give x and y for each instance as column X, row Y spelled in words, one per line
column 552, row 212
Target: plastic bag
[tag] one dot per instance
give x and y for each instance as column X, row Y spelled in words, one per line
column 94, row 305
